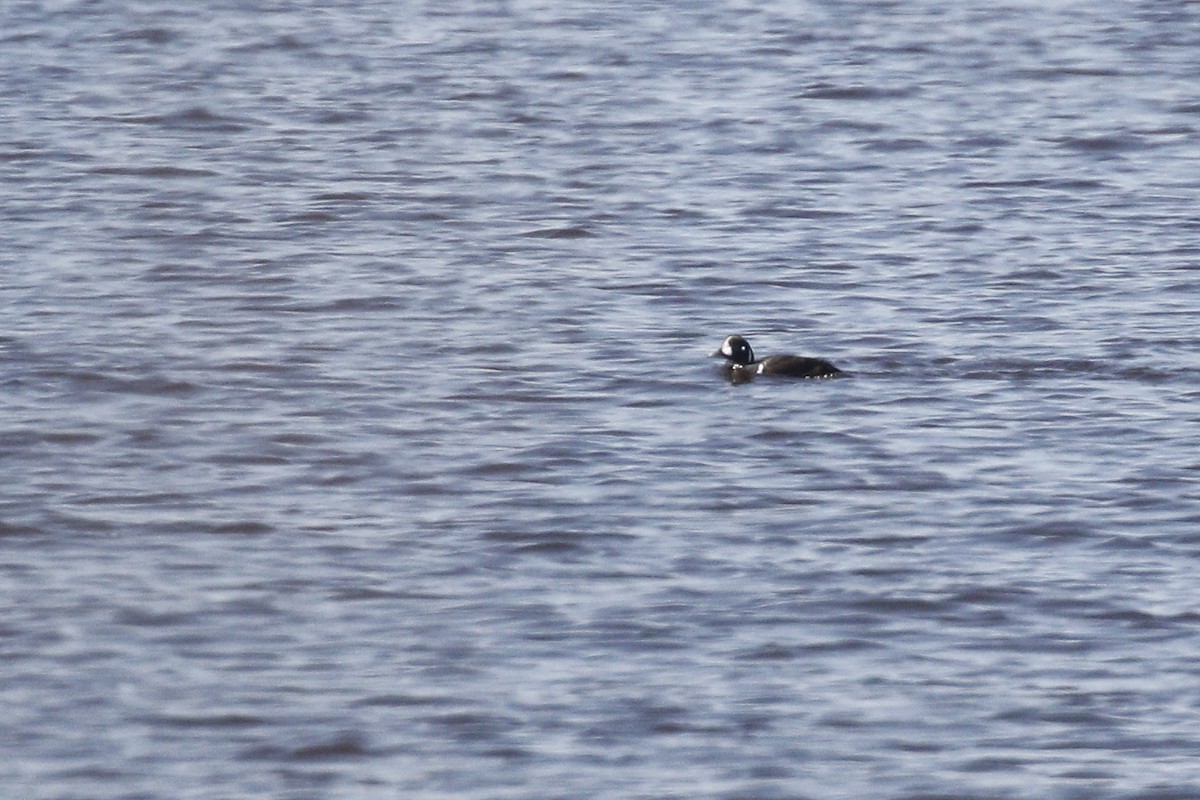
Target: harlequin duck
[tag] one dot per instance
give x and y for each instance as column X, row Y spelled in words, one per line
column 740, row 365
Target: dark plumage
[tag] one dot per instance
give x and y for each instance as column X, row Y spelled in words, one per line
column 741, row 366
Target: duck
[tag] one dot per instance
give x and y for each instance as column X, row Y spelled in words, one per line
column 740, row 364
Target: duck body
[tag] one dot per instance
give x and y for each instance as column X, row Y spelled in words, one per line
column 740, row 364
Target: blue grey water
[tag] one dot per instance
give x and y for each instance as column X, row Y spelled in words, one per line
column 359, row 436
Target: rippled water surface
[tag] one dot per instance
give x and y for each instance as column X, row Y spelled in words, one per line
column 359, row 437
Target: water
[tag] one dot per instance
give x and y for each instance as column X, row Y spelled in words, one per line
column 359, row 438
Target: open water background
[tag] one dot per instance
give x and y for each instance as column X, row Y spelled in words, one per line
column 358, row 437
